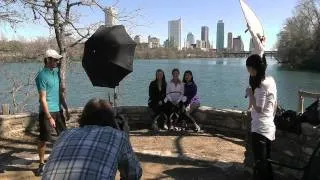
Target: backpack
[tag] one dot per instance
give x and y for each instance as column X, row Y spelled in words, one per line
column 312, row 114
column 287, row 120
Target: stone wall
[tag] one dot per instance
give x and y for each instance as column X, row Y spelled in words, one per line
column 210, row 119
column 288, row 148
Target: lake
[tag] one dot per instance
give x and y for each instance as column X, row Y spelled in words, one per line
column 221, row 82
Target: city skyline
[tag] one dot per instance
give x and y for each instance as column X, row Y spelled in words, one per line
column 155, row 15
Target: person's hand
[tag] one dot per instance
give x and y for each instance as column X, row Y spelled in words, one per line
column 247, row 28
column 165, row 100
column 184, row 99
column 52, row 122
column 249, row 92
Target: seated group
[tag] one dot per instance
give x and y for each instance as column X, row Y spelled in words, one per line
column 173, row 103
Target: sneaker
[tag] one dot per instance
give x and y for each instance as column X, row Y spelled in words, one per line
column 197, row 128
column 165, row 127
column 40, row 169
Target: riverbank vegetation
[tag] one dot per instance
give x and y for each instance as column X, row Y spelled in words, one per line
column 299, row 41
column 30, row 51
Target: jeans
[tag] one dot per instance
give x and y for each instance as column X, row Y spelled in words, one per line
column 261, row 148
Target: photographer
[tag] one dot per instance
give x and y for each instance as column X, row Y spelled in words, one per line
column 95, row 150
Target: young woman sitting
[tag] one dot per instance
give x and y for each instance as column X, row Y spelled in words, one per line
column 157, row 94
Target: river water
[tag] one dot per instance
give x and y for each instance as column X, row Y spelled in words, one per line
column 221, row 82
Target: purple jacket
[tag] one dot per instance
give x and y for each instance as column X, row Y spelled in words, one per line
column 190, row 91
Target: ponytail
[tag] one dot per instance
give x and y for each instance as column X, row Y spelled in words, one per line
column 264, row 60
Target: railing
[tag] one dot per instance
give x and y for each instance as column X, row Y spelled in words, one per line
column 302, row 95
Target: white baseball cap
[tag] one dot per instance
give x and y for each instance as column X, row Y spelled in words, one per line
column 53, row 54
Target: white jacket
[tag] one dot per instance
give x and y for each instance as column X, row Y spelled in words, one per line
column 175, row 93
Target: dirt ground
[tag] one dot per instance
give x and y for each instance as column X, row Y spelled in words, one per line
column 165, row 155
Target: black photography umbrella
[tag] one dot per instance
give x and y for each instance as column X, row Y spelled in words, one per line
column 108, row 56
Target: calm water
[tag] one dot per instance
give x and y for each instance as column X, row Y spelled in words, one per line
column 221, row 82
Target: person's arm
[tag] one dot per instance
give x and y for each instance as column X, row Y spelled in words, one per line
column 194, row 91
column 45, row 108
column 129, row 165
column 182, row 97
column 168, row 95
column 258, row 99
column 64, row 103
column 258, row 46
column 275, row 108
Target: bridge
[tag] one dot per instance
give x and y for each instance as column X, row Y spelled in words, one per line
column 246, row 54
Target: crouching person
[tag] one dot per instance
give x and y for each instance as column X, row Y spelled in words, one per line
column 95, row 150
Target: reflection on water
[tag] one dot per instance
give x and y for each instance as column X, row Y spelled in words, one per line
column 221, row 82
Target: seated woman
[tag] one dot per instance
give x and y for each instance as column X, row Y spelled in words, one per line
column 176, row 99
column 157, row 93
column 193, row 101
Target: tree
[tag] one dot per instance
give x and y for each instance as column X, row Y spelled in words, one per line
column 62, row 17
column 7, row 14
column 299, row 41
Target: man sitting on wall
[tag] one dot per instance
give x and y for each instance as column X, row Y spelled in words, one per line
column 95, row 150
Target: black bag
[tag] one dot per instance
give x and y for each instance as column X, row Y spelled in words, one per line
column 312, row 114
column 287, row 120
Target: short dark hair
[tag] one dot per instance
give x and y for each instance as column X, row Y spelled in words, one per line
column 98, row 112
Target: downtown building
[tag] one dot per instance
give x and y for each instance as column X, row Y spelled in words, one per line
column 174, row 34
column 190, row 40
column 238, row 44
column 205, row 37
column 230, row 42
column 153, row 42
column 220, row 36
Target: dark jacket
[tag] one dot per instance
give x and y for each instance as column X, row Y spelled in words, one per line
column 190, row 91
column 155, row 95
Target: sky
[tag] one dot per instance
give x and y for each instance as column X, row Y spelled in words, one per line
column 154, row 16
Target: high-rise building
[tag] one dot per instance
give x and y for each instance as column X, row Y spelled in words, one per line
column 199, row 44
column 205, row 36
column 153, row 42
column 137, row 39
column 238, row 44
column 174, row 33
column 190, row 39
column 220, row 35
column 230, row 41
column 166, row 43
column 251, row 46
column 110, row 16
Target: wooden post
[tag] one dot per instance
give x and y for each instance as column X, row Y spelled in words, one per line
column 5, row 109
column 301, row 101
column 302, row 94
